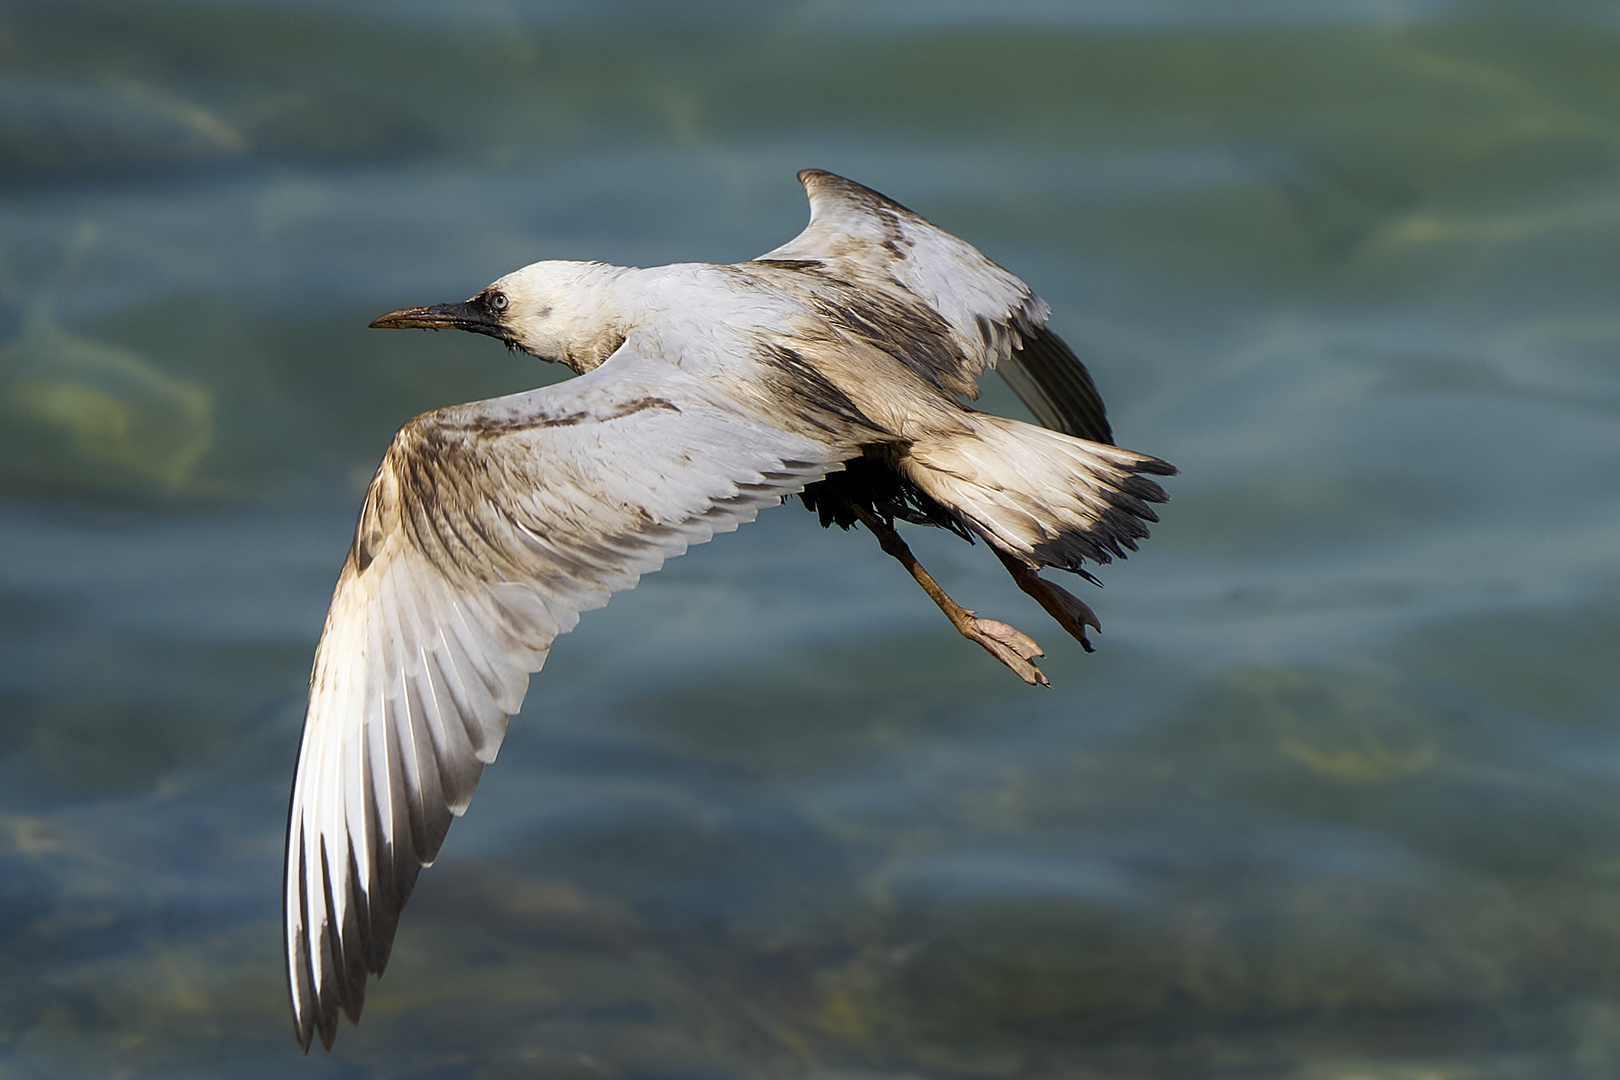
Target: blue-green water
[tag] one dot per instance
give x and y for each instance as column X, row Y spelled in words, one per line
column 1338, row 797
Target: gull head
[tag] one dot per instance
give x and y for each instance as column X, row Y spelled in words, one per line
column 557, row 311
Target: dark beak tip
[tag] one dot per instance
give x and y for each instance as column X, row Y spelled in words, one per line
column 394, row 320
column 440, row 317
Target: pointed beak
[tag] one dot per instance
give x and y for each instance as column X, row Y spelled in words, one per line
column 470, row 316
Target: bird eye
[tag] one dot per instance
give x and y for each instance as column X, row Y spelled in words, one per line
column 497, row 301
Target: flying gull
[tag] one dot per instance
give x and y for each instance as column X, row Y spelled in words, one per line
column 833, row 367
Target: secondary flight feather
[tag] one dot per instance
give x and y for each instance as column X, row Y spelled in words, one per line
column 833, row 367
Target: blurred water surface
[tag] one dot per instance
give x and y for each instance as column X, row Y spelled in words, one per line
column 1337, row 796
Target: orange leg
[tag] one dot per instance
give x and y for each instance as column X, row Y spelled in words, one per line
column 1001, row 641
column 1071, row 613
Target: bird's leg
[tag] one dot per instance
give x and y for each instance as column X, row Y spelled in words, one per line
column 1001, row 641
column 1071, row 612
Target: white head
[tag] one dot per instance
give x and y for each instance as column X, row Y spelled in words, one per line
column 565, row 312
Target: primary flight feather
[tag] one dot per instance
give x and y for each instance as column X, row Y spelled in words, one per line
column 833, row 367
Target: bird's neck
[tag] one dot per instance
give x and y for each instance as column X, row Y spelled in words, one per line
column 596, row 326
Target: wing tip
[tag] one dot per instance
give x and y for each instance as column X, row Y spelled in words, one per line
column 319, row 1015
column 818, row 182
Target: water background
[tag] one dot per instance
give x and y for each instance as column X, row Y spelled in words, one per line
column 1336, row 798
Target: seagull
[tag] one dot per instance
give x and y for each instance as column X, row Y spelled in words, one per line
column 834, row 367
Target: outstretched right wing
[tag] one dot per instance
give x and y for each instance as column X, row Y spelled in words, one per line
column 486, row 531
column 991, row 318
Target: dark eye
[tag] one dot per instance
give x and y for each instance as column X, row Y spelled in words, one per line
column 497, row 301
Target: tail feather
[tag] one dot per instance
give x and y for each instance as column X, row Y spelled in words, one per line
column 1047, row 498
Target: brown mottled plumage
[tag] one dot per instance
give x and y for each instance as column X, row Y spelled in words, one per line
column 832, row 367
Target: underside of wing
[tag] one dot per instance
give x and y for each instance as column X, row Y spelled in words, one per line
column 1054, row 385
column 966, row 313
column 486, row 532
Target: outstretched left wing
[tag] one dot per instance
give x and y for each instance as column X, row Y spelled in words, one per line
column 486, row 532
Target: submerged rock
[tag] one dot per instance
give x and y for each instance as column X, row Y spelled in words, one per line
column 84, row 414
